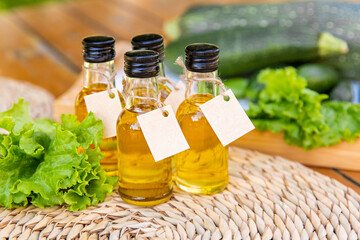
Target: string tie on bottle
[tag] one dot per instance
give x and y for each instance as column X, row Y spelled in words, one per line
column 189, row 81
column 108, row 78
column 157, row 100
column 167, row 80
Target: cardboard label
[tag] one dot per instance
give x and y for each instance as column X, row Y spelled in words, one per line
column 162, row 134
column 105, row 108
column 175, row 98
column 227, row 118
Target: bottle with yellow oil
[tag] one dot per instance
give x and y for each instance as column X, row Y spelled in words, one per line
column 98, row 55
column 202, row 169
column 142, row 181
column 155, row 43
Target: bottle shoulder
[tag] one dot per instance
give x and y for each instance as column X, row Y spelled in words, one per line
column 91, row 89
column 96, row 88
column 192, row 104
column 129, row 116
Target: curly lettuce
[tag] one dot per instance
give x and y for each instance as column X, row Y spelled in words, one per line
column 40, row 161
column 286, row 105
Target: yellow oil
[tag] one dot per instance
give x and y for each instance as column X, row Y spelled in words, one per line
column 164, row 91
column 202, row 169
column 142, row 181
column 108, row 146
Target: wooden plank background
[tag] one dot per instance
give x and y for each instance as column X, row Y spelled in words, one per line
column 42, row 43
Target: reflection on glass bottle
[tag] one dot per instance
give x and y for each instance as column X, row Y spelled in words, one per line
column 98, row 54
column 155, row 43
column 203, row 168
column 142, row 181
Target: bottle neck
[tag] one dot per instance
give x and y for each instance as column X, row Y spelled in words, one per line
column 202, row 87
column 161, row 69
column 141, row 91
column 91, row 77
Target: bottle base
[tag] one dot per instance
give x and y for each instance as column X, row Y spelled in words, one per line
column 112, row 173
column 109, row 163
column 203, row 189
column 146, row 202
column 110, row 169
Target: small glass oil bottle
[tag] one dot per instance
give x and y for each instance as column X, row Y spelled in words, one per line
column 142, row 181
column 202, row 169
column 154, row 42
column 98, row 54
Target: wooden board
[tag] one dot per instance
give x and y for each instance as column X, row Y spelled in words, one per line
column 117, row 18
column 62, row 29
column 344, row 155
column 26, row 57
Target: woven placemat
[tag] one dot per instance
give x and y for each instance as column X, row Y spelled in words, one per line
column 267, row 198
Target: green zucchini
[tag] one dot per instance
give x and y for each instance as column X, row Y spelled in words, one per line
column 338, row 18
column 342, row 92
column 254, row 88
column 348, row 65
column 320, row 78
column 242, row 51
column 237, row 85
column 319, row 15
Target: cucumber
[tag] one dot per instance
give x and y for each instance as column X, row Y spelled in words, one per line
column 346, row 91
column 242, row 51
column 320, row 78
column 348, row 65
column 319, row 15
column 237, row 85
column 254, row 88
column 338, row 18
column 342, row 92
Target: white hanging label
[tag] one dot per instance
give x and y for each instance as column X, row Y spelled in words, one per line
column 162, row 134
column 176, row 97
column 105, row 108
column 227, row 118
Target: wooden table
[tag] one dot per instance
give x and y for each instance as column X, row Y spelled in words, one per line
column 42, row 44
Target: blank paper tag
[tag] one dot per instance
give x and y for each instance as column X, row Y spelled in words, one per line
column 105, row 108
column 175, row 98
column 162, row 134
column 227, row 118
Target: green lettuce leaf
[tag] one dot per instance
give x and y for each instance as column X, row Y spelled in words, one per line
column 343, row 118
column 89, row 131
column 40, row 161
column 286, row 105
column 14, row 119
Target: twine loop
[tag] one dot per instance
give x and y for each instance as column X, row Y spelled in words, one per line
column 165, row 79
column 109, row 79
column 189, row 81
column 157, row 100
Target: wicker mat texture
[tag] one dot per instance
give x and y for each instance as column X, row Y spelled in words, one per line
column 267, row 198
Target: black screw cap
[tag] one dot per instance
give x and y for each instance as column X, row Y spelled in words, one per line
column 202, row 57
column 141, row 63
column 98, row 49
column 150, row 41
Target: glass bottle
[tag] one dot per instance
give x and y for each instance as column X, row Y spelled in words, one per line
column 202, row 169
column 142, row 181
column 98, row 54
column 154, row 42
